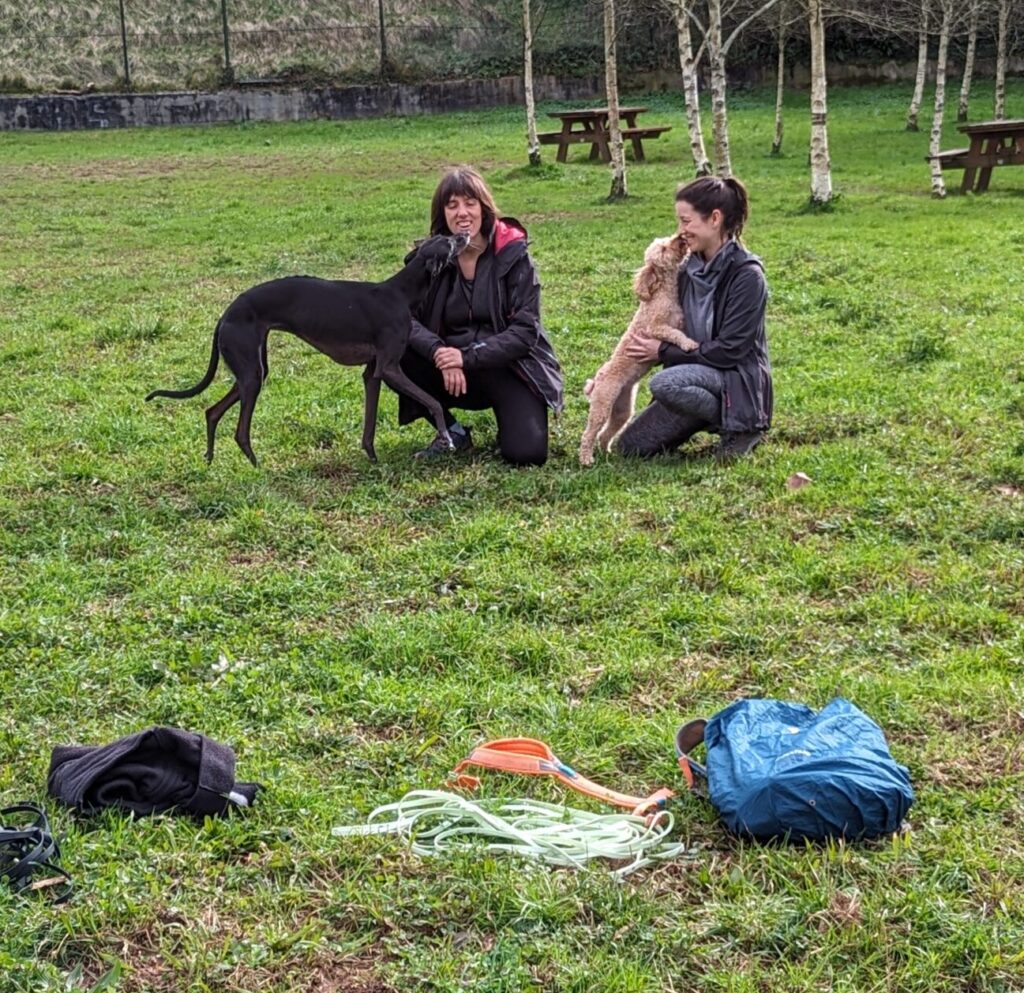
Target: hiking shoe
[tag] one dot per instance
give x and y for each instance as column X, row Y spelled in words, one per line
column 462, row 443
column 736, row 444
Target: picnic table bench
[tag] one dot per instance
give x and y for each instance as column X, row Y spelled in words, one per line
column 993, row 143
column 590, row 125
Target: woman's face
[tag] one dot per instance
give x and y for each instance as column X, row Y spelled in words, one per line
column 464, row 214
column 703, row 234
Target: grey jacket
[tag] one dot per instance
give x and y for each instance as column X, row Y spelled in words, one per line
column 738, row 346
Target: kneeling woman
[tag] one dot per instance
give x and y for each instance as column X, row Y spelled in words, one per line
column 725, row 386
column 477, row 342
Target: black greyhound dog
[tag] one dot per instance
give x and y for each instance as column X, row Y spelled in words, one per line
column 352, row 322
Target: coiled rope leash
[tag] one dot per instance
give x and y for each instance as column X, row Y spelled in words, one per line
column 434, row 822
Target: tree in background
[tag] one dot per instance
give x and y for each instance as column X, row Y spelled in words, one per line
column 821, row 164
column 922, row 67
column 946, row 10
column 532, row 142
column 968, row 76
column 611, row 82
column 717, row 46
column 781, row 31
column 1002, row 45
column 691, row 96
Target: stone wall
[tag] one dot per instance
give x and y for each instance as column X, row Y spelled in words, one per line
column 67, row 112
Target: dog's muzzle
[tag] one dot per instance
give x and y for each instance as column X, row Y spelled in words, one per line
column 458, row 245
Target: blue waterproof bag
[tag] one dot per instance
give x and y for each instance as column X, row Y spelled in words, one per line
column 778, row 769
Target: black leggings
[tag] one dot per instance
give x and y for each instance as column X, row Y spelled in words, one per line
column 521, row 415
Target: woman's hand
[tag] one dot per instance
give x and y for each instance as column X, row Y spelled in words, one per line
column 448, row 358
column 640, row 348
column 454, row 381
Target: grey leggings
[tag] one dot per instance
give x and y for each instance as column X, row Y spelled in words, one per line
column 687, row 399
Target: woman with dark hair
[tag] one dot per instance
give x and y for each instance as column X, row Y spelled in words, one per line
column 725, row 386
column 477, row 343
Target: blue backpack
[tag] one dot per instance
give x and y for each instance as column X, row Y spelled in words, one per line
column 778, row 769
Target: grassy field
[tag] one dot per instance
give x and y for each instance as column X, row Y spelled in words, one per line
column 352, row 630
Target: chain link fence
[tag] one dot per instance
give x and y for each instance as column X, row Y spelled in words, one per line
column 204, row 44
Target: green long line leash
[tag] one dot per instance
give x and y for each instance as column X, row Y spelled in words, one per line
column 433, row 822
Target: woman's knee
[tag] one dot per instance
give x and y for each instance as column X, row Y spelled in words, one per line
column 686, row 399
column 524, row 452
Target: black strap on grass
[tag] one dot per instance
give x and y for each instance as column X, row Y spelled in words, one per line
column 28, row 848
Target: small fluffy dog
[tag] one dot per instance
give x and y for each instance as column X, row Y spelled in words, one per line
column 612, row 391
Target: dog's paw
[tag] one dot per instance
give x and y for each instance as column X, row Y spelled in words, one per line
column 588, row 387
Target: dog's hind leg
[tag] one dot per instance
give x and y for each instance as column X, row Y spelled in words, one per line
column 371, row 388
column 600, row 407
column 213, row 416
column 243, row 344
column 401, row 383
column 621, row 412
column 248, row 391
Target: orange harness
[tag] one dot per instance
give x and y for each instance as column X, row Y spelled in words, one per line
column 533, row 758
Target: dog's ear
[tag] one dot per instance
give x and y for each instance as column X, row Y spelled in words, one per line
column 646, row 283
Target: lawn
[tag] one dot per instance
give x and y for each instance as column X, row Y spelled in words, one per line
column 353, row 630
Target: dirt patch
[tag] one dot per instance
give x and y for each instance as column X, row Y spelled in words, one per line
column 148, row 967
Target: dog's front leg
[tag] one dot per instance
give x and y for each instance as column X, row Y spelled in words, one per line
column 371, row 391
column 398, row 381
column 664, row 332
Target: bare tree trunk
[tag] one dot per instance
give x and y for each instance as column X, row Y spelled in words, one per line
column 719, row 114
column 821, row 167
column 1001, row 43
column 691, row 96
column 611, row 82
column 533, row 144
column 965, row 84
column 922, row 67
column 780, row 88
column 935, row 142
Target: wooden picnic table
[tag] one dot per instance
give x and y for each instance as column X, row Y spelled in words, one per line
column 993, row 143
column 590, row 125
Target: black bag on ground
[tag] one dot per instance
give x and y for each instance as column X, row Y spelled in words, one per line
column 155, row 770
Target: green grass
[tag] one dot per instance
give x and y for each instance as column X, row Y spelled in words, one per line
column 354, row 629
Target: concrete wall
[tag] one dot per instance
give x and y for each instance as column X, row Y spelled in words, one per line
column 67, row 112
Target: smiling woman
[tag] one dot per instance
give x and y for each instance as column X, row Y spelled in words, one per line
column 725, row 384
column 477, row 343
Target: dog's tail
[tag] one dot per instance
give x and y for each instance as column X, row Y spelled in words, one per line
column 203, row 383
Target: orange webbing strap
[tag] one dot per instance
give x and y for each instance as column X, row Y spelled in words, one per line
column 533, row 758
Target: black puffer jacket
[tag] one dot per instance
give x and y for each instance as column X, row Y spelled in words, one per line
column 738, row 345
column 507, row 292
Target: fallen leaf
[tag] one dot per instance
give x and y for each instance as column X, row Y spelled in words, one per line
column 798, row 481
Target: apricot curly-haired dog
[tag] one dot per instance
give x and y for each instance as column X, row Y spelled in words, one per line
column 612, row 391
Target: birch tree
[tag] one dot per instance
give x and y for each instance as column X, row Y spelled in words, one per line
column 780, row 84
column 1002, row 31
column 821, row 165
column 717, row 51
column 691, row 96
column 935, row 141
column 719, row 111
column 922, row 68
column 965, row 82
column 532, row 142
column 611, row 82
